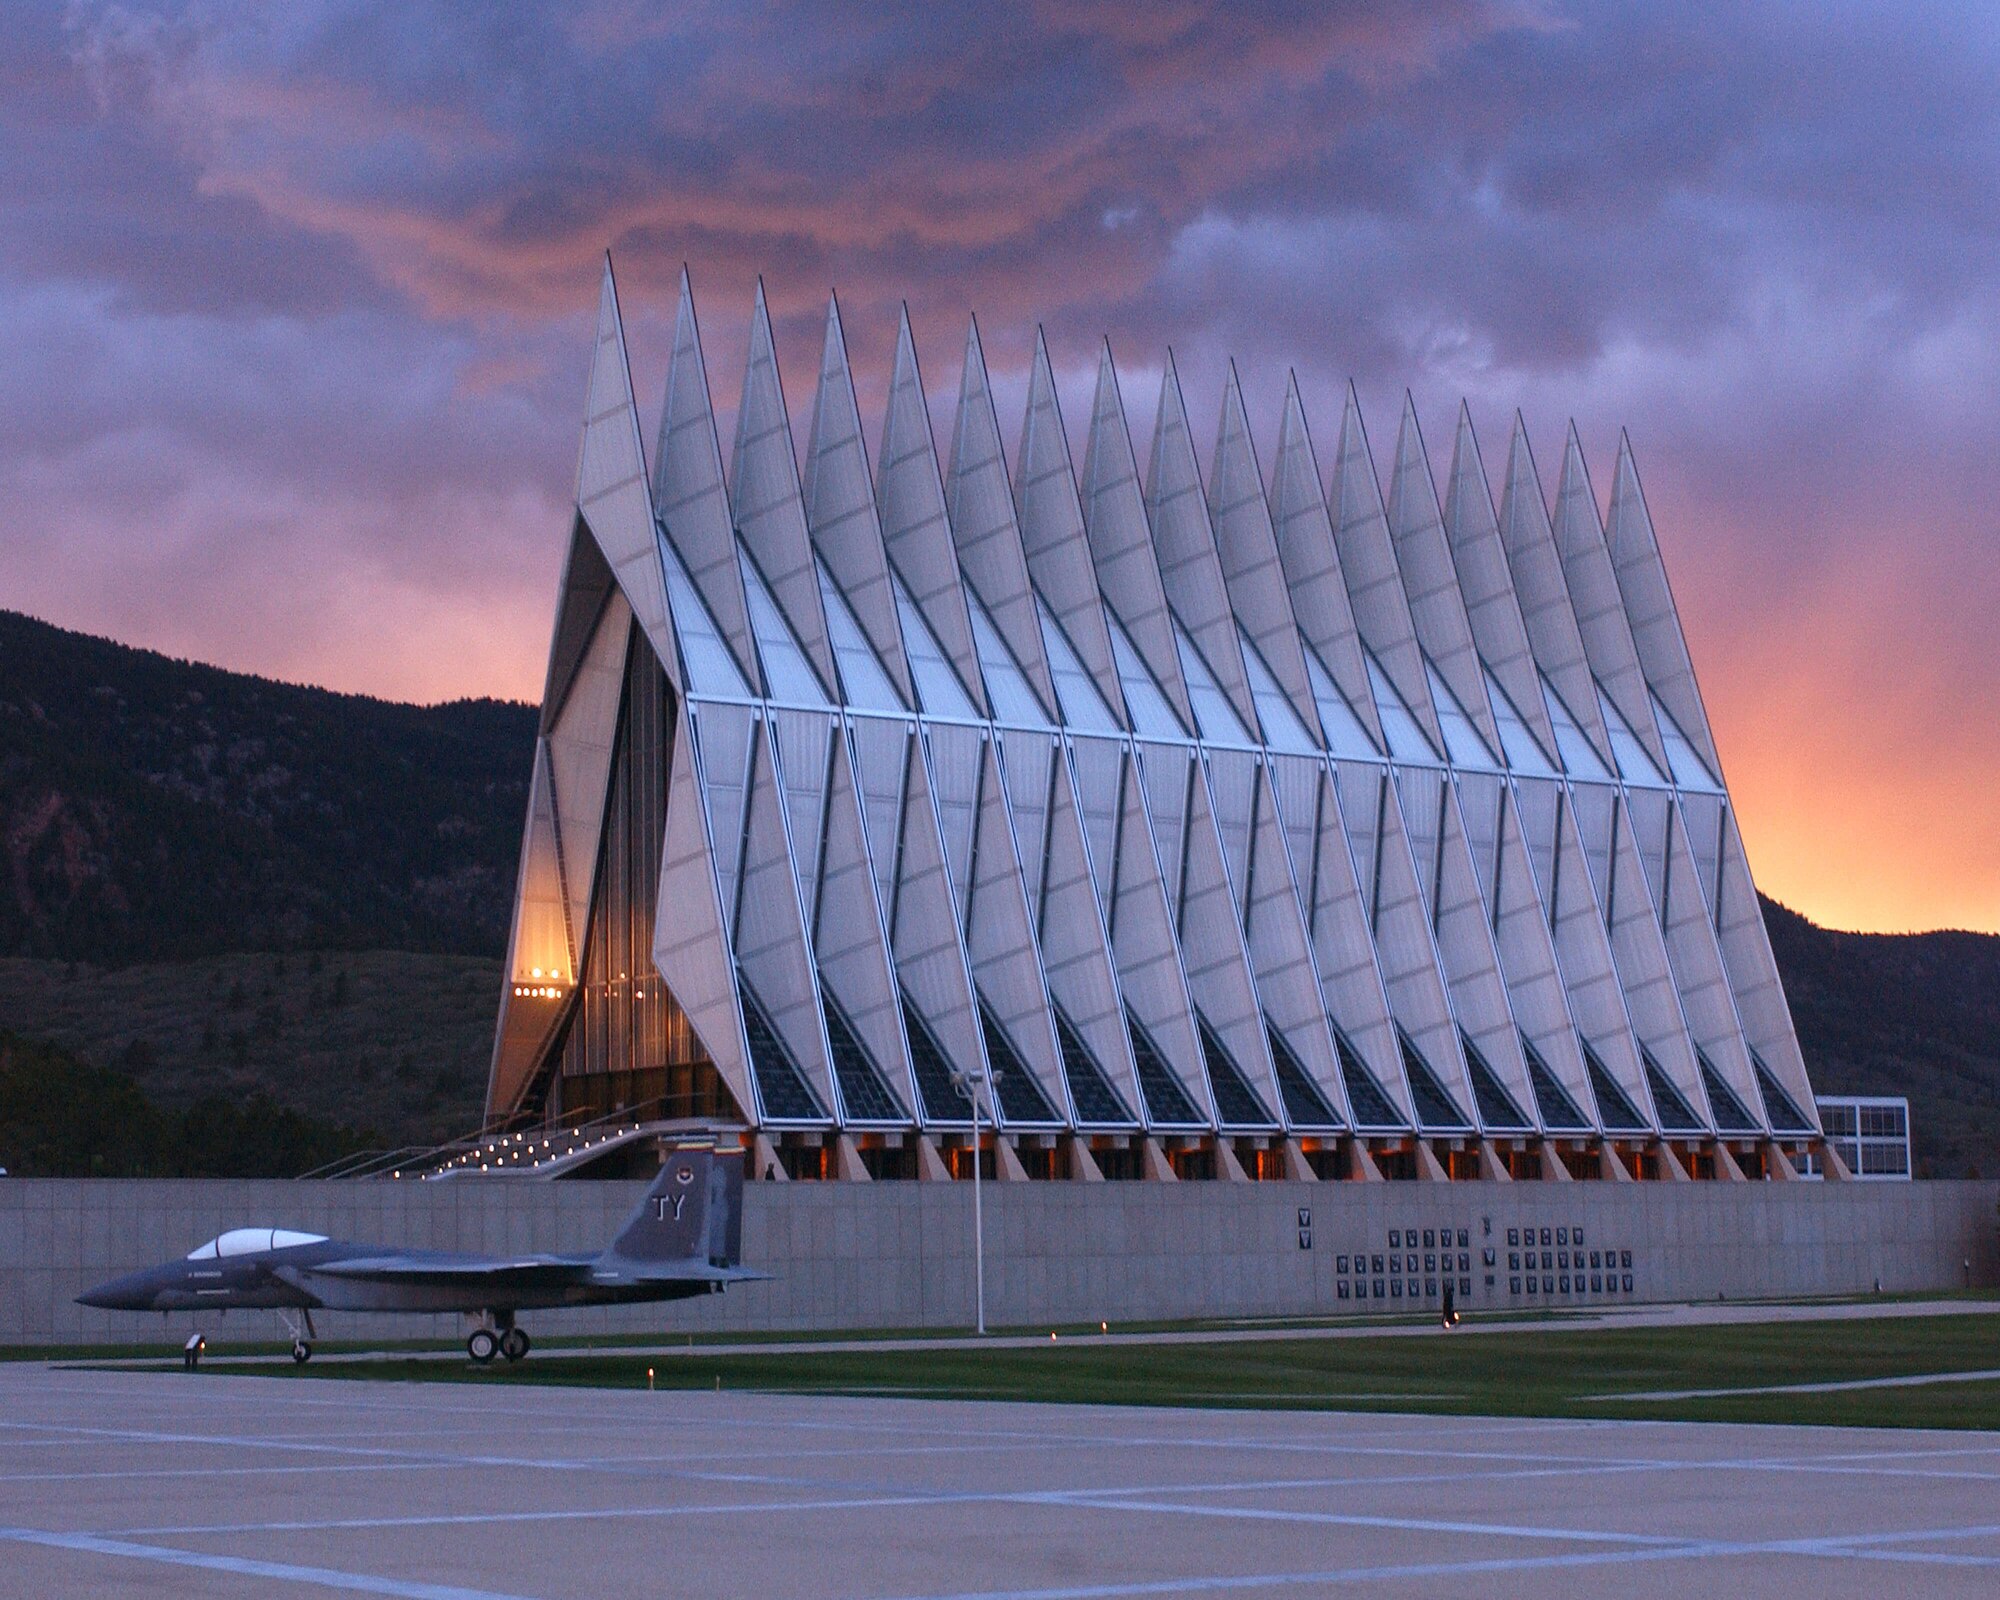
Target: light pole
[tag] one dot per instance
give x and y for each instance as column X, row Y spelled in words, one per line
column 968, row 1084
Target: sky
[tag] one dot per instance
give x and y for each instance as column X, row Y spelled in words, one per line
column 295, row 310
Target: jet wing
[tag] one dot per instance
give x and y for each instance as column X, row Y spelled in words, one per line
column 431, row 1269
column 613, row 1269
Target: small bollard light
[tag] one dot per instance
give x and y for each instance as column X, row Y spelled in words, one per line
column 649, row 1380
column 1104, row 1327
column 1052, row 1336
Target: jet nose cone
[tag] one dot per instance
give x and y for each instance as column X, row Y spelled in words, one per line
column 133, row 1292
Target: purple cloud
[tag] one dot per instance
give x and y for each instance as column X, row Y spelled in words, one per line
column 293, row 300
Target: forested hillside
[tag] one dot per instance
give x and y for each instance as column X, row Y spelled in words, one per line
column 216, row 884
column 157, row 809
column 1912, row 1014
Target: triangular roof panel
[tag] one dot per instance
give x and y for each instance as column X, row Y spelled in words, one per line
column 850, row 936
column 611, row 492
column 1487, row 588
column 1051, row 520
column 980, row 502
column 1336, row 920
column 540, row 965
column 1000, row 940
column 1132, row 890
column 1121, row 540
column 1599, row 608
column 1583, row 942
column 688, row 492
column 1543, row 593
column 1274, row 933
column 1184, row 546
column 1075, row 944
column 690, row 947
column 765, row 498
column 909, row 492
column 1407, row 955
column 1304, row 531
column 1430, row 580
column 586, row 585
column 579, row 745
column 926, row 931
column 1528, row 960
column 772, row 952
column 1649, row 607
column 840, row 507
column 1753, row 972
column 1699, row 975
column 1374, row 582
column 1640, row 950
column 1246, row 541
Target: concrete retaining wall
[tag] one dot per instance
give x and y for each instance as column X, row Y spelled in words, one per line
column 893, row 1255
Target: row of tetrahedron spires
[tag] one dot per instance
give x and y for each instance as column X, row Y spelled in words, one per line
column 1459, row 581
column 1209, row 578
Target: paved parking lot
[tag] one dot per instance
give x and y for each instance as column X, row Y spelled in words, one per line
column 163, row 1484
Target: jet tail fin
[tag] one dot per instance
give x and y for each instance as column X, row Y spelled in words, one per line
column 693, row 1211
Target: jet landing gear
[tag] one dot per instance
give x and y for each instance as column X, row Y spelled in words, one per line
column 302, row 1334
column 498, row 1338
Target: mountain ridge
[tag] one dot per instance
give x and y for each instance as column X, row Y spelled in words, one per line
column 152, row 808
column 155, row 810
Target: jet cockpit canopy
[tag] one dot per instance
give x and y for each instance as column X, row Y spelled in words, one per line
column 247, row 1241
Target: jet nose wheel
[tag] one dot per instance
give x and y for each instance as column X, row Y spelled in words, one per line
column 302, row 1351
column 514, row 1344
column 482, row 1346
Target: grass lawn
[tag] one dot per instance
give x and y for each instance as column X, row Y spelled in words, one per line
column 221, row 1346
column 1532, row 1370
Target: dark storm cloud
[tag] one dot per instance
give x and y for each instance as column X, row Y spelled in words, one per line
column 94, row 192
column 300, row 290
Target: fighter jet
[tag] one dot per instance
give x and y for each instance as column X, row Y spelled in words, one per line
column 686, row 1238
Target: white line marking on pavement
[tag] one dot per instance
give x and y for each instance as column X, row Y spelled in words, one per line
column 409, row 1457
column 1083, row 1500
column 275, row 1469
column 592, row 1514
column 612, row 1464
column 1352, row 1520
column 1212, row 1582
column 243, row 1566
column 1914, row 1380
column 1855, row 1548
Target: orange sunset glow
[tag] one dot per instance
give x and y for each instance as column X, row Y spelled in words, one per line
column 295, row 317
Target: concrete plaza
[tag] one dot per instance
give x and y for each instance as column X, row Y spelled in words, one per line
column 165, row 1484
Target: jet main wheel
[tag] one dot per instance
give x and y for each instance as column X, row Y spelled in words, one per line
column 302, row 1351
column 514, row 1344
column 482, row 1346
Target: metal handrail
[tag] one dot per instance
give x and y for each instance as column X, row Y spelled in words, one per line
column 574, row 1129
column 470, row 1147
column 427, row 1157
column 383, row 1161
column 354, row 1161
